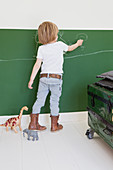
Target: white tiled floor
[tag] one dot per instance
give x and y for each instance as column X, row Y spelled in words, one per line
column 68, row 149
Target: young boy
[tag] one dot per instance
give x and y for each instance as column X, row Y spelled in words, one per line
column 50, row 55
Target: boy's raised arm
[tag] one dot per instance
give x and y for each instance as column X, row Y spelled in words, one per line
column 74, row 46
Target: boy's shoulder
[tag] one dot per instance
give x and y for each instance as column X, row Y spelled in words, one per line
column 49, row 44
column 57, row 43
column 60, row 42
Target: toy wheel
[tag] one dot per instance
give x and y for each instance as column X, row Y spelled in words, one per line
column 90, row 133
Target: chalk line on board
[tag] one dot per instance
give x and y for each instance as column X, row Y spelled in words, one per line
column 18, row 59
column 60, row 34
column 71, row 57
column 93, row 53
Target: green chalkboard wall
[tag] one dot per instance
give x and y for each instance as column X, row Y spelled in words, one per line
column 18, row 49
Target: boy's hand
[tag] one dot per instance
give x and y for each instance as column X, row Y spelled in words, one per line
column 30, row 84
column 74, row 46
column 79, row 42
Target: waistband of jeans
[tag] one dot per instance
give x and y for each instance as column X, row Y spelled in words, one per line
column 51, row 75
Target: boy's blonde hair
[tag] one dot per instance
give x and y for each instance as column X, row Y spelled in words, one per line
column 47, row 32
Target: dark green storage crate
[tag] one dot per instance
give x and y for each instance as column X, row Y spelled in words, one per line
column 100, row 111
column 99, row 125
column 100, row 100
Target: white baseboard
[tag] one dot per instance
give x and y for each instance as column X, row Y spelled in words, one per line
column 44, row 119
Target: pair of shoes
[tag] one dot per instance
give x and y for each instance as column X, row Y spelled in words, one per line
column 34, row 125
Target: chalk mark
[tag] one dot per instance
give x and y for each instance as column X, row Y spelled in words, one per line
column 18, row 59
column 63, row 40
column 82, row 36
column 60, row 34
column 93, row 53
column 71, row 57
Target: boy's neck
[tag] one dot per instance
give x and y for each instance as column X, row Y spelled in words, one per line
column 52, row 42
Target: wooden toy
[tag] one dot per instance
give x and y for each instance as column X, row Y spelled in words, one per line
column 15, row 121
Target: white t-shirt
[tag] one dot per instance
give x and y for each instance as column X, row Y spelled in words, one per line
column 52, row 57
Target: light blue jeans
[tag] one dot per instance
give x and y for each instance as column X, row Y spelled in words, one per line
column 47, row 85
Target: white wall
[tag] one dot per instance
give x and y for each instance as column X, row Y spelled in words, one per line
column 71, row 14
